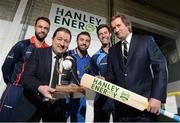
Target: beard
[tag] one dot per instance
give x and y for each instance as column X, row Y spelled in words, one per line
column 41, row 39
column 82, row 50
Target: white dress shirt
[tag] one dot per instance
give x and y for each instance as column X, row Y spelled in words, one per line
column 128, row 39
column 52, row 68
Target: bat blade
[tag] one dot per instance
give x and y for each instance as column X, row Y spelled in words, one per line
column 113, row 91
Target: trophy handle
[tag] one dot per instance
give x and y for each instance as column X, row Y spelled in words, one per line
column 75, row 78
column 59, row 72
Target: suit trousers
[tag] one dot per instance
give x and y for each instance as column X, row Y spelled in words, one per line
column 103, row 115
column 124, row 113
column 50, row 112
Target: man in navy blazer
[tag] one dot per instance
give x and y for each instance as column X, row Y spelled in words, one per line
column 36, row 80
column 143, row 72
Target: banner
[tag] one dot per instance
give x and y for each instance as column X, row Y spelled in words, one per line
column 76, row 21
column 73, row 19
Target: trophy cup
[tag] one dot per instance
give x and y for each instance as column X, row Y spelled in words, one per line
column 70, row 85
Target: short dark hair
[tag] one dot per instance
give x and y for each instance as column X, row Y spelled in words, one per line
column 84, row 33
column 43, row 18
column 124, row 19
column 63, row 30
column 102, row 26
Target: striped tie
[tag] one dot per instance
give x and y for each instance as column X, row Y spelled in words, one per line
column 125, row 52
column 55, row 77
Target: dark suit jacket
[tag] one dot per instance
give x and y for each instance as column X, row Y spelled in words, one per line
column 37, row 72
column 145, row 72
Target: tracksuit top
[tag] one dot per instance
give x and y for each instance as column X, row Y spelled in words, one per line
column 99, row 66
column 13, row 66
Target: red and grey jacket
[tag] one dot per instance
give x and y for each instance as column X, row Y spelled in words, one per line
column 13, row 66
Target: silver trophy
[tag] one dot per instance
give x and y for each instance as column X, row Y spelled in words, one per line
column 70, row 85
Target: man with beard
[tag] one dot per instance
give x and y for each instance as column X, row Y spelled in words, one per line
column 99, row 66
column 77, row 104
column 13, row 66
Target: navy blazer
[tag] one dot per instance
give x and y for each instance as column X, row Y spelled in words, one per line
column 37, row 72
column 146, row 69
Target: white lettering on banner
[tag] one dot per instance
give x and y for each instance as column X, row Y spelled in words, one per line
column 76, row 19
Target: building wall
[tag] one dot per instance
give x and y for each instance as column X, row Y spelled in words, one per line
column 42, row 7
column 146, row 13
column 8, row 9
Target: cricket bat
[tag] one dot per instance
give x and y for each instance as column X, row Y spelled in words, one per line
column 120, row 94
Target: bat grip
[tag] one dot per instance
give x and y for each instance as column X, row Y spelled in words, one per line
column 170, row 115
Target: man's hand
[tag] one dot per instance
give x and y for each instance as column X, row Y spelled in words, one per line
column 100, row 77
column 71, row 88
column 46, row 91
column 154, row 106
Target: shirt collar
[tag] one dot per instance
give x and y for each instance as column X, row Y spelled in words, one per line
column 76, row 52
column 102, row 51
column 32, row 41
column 128, row 38
column 53, row 54
column 60, row 56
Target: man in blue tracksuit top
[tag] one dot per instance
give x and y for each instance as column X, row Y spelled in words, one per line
column 77, row 105
column 13, row 66
column 102, row 110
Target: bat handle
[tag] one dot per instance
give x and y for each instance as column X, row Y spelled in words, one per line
column 170, row 115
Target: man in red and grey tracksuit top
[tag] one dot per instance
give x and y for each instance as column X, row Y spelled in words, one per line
column 13, row 67
column 14, row 63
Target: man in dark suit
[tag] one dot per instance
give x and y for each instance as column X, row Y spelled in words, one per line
column 137, row 64
column 37, row 80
